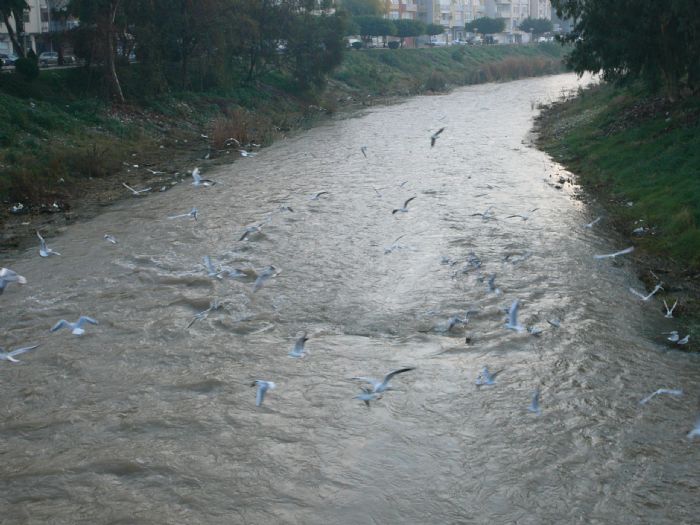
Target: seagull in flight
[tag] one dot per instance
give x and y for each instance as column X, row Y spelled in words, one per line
column 135, row 192
column 263, row 276
column 9, row 276
column 245, row 153
column 659, row 392
column 44, row 250
column 192, row 213
column 696, row 431
column 379, row 387
column 298, row 350
column 512, row 323
column 10, row 356
column 669, row 311
column 524, row 216
column 535, row 403
column 363, row 149
column 317, row 195
column 213, row 305
column 487, row 378
column 492, row 285
column 435, row 136
column 220, row 272
column 646, row 297
column 77, row 327
column 613, row 255
column 110, row 238
column 485, row 215
column 197, row 179
column 367, row 395
column 255, row 228
column 263, row 387
column 404, row 209
column 593, row 222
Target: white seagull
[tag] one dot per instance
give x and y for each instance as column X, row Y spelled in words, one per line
column 245, row 153
column 486, row 215
column 404, row 209
column 10, row 356
column 77, row 327
column 197, row 179
column 492, row 285
column 44, row 250
column 298, row 350
column 613, row 255
column 379, row 387
column 535, row 403
column 192, row 213
column 363, row 149
column 135, row 192
column 263, row 387
column 435, row 136
column 318, row 194
column 593, row 222
column 263, row 276
column 367, row 395
column 487, row 378
column 646, row 297
column 255, row 228
column 523, row 216
column 659, row 392
column 512, row 323
column 110, row 238
column 9, row 276
column 695, row 432
column 669, row 311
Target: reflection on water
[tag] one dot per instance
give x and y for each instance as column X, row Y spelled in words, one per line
column 144, row 420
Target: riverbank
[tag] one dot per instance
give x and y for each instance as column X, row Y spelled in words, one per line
column 66, row 152
column 638, row 156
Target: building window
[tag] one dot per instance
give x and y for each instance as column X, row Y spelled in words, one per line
column 26, row 16
column 44, row 14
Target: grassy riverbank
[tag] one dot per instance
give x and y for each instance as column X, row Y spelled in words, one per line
column 639, row 157
column 62, row 144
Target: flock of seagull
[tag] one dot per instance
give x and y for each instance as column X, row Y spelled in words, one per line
column 371, row 389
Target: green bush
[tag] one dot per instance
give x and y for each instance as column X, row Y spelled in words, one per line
column 394, row 44
column 27, row 68
column 436, row 82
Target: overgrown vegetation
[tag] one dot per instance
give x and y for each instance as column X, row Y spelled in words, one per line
column 628, row 145
column 58, row 130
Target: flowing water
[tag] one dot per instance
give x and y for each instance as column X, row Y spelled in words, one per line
column 143, row 420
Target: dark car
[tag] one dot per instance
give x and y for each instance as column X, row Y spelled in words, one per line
column 8, row 60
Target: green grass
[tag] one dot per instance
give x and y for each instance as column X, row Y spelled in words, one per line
column 61, row 126
column 629, row 146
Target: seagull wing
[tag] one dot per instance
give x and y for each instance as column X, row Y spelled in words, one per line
column 513, row 313
column 405, row 204
column 623, row 252
column 368, row 380
column 260, row 395
column 60, row 325
column 638, row 294
column 85, row 319
column 21, row 350
column 391, row 374
column 208, row 265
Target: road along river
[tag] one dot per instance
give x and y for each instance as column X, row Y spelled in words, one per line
column 144, row 420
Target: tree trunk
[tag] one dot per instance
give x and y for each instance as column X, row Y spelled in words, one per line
column 19, row 48
column 112, row 68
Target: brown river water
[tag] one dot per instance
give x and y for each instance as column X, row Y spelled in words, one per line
column 144, row 420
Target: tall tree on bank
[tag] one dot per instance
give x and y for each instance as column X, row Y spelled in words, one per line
column 363, row 7
column 536, row 26
column 101, row 16
column 14, row 9
column 408, row 28
column 486, row 25
column 658, row 42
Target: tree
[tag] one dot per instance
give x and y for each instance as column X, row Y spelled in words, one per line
column 536, row 26
column 486, row 25
column 14, row 9
column 658, row 42
column 408, row 28
column 369, row 26
column 101, row 17
column 434, row 29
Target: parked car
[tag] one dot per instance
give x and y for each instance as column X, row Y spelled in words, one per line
column 8, row 59
column 69, row 59
column 48, row 58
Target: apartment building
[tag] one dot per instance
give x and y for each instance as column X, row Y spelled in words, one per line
column 402, row 9
column 451, row 14
column 38, row 26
